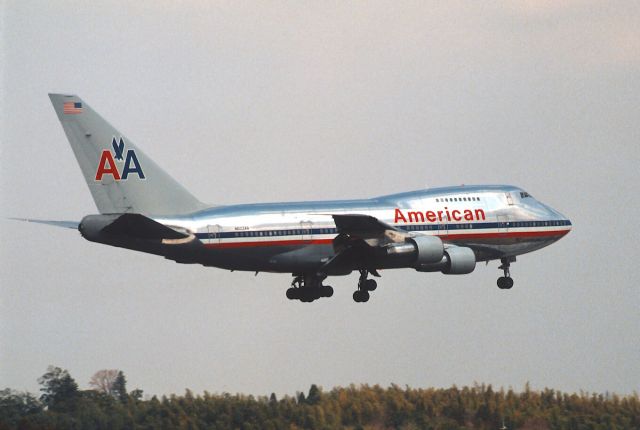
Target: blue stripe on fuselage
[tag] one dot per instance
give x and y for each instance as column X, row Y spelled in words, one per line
column 513, row 225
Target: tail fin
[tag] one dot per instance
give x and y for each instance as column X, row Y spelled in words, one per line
column 120, row 176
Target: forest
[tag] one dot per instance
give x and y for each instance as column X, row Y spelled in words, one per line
column 108, row 405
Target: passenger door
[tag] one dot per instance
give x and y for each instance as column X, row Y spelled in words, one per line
column 213, row 234
column 503, row 224
column 306, row 227
column 509, row 199
column 443, row 227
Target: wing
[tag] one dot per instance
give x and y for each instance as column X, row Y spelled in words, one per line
column 360, row 238
column 361, row 225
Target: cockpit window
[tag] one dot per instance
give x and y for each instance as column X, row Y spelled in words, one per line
column 524, row 194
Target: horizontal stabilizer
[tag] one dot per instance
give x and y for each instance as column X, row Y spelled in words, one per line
column 64, row 224
column 140, row 227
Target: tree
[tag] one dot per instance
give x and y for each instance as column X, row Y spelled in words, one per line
column 136, row 394
column 314, row 395
column 15, row 405
column 59, row 389
column 104, row 381
column 120, row 387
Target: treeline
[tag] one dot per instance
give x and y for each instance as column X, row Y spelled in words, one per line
column 61, row 405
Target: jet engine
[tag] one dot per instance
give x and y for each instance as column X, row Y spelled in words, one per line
column 460, row 261
column 455, row 260
column 430, row 249
column 419, row 250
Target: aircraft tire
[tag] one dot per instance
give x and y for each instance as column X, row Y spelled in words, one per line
column 361, row 296
column 292, row 294
column 370, row 285
column 505, row 283
column 327, row 291
column 508, row 283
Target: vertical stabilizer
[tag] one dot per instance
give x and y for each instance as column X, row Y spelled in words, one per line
column 120, row 176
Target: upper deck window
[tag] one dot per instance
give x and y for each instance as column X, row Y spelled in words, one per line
column 524, row 194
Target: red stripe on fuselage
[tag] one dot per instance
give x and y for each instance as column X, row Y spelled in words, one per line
column 445, row 237
column 523, row 234
column 269, row 243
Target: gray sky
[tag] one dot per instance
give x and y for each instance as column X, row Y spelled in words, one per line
column 258, row 101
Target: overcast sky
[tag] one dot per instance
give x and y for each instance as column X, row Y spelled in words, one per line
column 259, row 101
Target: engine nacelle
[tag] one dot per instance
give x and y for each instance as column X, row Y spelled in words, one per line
column 430, row 249
column 460, row 261
column 418, row 252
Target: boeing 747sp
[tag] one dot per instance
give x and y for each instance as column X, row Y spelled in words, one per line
column 445, row 230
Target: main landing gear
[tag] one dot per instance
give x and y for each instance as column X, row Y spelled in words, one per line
column 308, row 288
column 364, row 286
column 506, row 282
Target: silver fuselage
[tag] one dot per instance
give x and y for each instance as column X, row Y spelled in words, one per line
column 495, row 221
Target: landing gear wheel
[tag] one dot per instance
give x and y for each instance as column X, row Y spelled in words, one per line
column 361, row 296
column 365, row 285
column 505, row 283
column 370, row 285
column 327, row 291
column 308, row 295
column 308, row 287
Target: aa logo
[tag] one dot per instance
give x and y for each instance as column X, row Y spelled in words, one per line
column 108, row 165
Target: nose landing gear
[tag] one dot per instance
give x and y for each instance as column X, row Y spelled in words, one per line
column 506, row 282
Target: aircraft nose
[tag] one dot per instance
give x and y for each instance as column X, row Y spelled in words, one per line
column 568, row 225
column 559, row 219
column 564, row 221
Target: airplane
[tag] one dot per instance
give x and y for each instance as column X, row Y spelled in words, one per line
column 447, row 230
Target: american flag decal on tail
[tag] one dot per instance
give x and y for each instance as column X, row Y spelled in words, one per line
column 72, row 108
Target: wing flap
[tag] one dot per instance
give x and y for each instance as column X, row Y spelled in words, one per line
column 361, row 226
